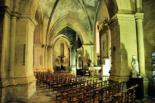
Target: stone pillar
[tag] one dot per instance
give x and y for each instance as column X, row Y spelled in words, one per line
column 109, row 43
column 140, row 39
column 43, row 54
column 124, row 45
column 139, row 5
column 4, row 44
column 73, row 59
column 16, row 65
column 21, row 77
column 4, row 50
column 49, row 62
column 12, row 45
column 46, row 58
column 97, row 45
column 141, row 54
column 89, row 49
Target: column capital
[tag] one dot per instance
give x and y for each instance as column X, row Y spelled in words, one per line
column 15, row 14
column 28, row 17
column 86, row 45
column 71, row 45
column 125, row 17
column 5, row 9
column 139, row 16
column 49, row 46
column 46, row 46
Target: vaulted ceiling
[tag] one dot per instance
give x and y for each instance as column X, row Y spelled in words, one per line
column 79, row 15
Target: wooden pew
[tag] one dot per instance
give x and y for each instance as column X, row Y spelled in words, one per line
column 78, row 90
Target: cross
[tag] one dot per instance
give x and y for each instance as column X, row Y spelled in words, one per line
column 61, row 60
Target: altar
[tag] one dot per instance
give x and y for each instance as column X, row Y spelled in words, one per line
column 94, row 71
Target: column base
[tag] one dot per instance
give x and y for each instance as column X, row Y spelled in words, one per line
column 17, row 90
column 17, row 93
column 118, row 78
column 146, row 84
column 73, row 69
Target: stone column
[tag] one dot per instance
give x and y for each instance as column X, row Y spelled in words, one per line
column 12, row 45
column 70, row 55
column 97, row 45
column 109, row 43
column 13, row 29
column 49, row 62
column 72, row 59
column 43, row 54
column 89, row 48
column 23, row 67
column 140, row 41
column 46, row 55
column 124, row 45
column 4, row 50
column 141, row 54
column 4, row 40
column 139, row 5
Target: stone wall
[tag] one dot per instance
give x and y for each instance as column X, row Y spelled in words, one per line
column 57, row 52
column 149, row 33
column 16, row 66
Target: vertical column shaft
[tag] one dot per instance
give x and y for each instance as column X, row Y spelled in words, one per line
column 140, row 38
column 12, row 45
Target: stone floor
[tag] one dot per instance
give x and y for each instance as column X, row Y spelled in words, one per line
column 146, row 100
column 43, row 95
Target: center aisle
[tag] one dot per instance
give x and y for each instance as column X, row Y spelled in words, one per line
column 43, row 95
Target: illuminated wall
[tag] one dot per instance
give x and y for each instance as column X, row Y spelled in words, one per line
column 149, row 34
column 57, row 53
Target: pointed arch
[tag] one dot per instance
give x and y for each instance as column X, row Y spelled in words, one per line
column 73, row 23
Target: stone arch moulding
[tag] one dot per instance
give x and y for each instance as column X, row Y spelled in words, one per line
column 39, row 16
column 64, row 38
column 73, row 23
column 115, row 6
column 112, row 7
column 27, row 7
column 61, row 36
column 100, row 15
